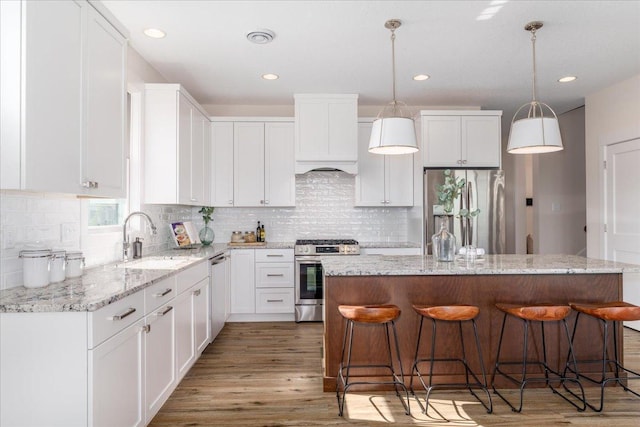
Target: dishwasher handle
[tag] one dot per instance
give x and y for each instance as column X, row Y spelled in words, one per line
column 218, row 259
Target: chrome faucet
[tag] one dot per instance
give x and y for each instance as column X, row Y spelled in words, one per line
column 125, row 238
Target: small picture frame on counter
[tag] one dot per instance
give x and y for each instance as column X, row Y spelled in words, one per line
column 184, row 234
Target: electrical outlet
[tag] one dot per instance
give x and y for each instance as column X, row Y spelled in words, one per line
column 68, row 231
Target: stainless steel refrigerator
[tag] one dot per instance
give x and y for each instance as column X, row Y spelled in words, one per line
column 484, row 190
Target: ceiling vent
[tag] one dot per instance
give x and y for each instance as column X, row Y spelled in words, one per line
column 261, row 36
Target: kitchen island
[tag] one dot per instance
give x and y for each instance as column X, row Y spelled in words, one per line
column 408, row 280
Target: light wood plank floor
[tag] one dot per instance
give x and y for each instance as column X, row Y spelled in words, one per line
column 269, row 374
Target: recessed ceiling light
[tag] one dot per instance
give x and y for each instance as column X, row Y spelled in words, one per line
column 270, row 76
column 262, row 36
column 420, row 77
column 567, row 79
column 154, row 33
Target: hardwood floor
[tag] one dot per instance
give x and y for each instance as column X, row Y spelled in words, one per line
column 269, row 374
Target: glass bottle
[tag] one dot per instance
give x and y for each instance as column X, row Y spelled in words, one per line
column 263, row 234
column 258, row 233
column 444, row 243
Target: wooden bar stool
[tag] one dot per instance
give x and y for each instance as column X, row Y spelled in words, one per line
column 542, row 313
column 383, row 315
column 606, row 312
column 449, row 313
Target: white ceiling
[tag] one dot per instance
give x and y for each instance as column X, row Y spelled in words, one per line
column 343, row 47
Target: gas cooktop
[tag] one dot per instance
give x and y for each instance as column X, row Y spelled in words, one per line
column 327, row 247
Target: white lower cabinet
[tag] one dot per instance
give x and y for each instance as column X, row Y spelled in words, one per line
column 117, row 379
column 243, row 297
column 262, row 283
column 115, row 366
column 192, row 324
column 160, row 375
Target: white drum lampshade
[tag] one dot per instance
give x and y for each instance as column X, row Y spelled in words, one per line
column 393, row 135
column 534, row 135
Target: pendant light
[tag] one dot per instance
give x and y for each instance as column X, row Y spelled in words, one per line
column 535, row 132
column 393, row 131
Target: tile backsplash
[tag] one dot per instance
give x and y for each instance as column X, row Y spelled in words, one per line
column 324, row 209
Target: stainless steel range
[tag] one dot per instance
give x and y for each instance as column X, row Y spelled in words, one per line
column 309, row 295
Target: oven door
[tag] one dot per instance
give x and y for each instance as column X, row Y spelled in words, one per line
column 308, row 281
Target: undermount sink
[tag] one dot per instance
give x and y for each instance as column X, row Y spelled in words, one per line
column 156, row 263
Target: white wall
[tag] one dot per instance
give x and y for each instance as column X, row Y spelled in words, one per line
column 559, row 191
column 612, row 115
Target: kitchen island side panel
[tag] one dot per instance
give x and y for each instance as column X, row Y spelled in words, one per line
column 481, row 290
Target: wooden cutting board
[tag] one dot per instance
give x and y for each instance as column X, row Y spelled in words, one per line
column 247, row 244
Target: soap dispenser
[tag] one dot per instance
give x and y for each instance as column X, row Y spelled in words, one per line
column 137, row 248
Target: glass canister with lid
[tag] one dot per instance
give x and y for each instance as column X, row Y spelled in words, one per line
column 75, row 264
column 57, row 266
column 35, row 267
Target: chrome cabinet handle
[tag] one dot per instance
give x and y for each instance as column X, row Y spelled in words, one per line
column 165, row 311
column 266, row 202
column 275, row 255
column 160, row 295
column 275, row 275
column 90, row 184
column 129, row 312
column 275, row 300
column 146, row 328
column 464, row 162
column 230, row 202
column 196, row 292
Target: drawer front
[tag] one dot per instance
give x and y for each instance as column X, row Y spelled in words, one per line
column 159, row 293
column 111, row 319
column 274, row 255
column 274, row 275
column 274, row 300
column 191, row 276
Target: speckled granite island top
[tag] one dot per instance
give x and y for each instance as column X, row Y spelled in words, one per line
column 410, row 265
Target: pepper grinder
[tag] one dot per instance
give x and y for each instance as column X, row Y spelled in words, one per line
column 137, row 248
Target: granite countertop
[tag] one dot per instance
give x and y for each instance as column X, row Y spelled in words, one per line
column 418, row 265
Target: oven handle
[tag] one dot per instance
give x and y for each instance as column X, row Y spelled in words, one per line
column 307, row 259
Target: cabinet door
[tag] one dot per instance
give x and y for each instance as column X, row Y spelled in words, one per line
column 222, row 164
column 242, row 281
column 185, row 339
column 52, row 73
column 481, row 141
column 201, row 315
column 199, row 155
column 185, row 110
column 441, row 139
column 248, row 164
column 343, row 129
column 116, row 386
column 370, row 181
column 399, row 180
column 105, row 100
column 160, row 372
column 279, row 164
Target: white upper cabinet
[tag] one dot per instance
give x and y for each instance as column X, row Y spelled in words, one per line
column 261, row 173
column 105, row 100
column 62, row 99
column 326, row 132
column 382, row 180
column 462, row 139
column 221, row 164
column 177, row 147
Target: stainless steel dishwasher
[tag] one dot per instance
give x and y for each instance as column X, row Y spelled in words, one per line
column 219, row 292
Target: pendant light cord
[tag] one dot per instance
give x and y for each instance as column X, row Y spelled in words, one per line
column 533, row 44
column 393, row 67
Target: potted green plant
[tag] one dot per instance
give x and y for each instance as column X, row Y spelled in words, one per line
column 206, row 234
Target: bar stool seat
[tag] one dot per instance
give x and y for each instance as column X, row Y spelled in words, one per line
column 606, row 312
column 541, row 313
column 449, row 313
column 383, row 315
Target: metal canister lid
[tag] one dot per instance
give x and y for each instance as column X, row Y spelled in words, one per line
column 35, row 253
column 58, row 253
column 74, row 255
